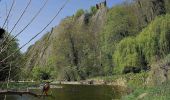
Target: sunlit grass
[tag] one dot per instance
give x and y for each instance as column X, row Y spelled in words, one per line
column 160, row 92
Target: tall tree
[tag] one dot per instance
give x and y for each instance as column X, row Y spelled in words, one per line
column 10, row 62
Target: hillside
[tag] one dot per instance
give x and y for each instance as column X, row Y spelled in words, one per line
column 46, row 51
column 102, row 42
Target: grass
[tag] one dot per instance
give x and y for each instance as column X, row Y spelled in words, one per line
column 161, row 92
column 133, row 80
column 17, row 85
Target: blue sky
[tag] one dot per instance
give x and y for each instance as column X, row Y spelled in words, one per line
column 44, row 17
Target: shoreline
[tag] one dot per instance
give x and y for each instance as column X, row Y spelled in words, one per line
column 83, row 82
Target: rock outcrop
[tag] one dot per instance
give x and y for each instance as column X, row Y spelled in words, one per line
column 44, row 49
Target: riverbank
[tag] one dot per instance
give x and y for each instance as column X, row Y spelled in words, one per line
column 159, row 92
column 73, row 92
column 95, row 81
column 125, row 84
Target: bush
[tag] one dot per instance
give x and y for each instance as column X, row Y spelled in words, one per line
column 42, row 73
column 93, row 10
column 79, row 13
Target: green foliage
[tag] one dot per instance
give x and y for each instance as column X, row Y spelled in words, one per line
column 13, row 61
column 138, row 80
column 76, row 53
column 167, row 5
column 93, row 10
column 160, row 92
column 120, row 23
column 152, row 41
column 127, row 20
column 126, row 54
column 106, row 43
column 79, row 13
column 41, row 73
column 45, row 72
column 69, row 73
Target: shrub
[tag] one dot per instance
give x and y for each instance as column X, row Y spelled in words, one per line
column 79, row 13
column 93, row 10
column 42, row 73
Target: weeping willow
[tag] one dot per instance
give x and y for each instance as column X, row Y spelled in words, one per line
column 151, row 42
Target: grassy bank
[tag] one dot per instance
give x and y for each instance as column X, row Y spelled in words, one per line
column 131, row 80
column 160, row 92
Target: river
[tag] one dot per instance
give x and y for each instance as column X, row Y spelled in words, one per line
column 73, row 92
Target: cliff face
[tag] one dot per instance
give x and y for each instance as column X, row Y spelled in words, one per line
column 45, row 50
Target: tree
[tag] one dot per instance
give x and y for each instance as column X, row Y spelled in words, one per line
column 12, row 62
column 142, row 50
column 120, row 23
column 79, row 13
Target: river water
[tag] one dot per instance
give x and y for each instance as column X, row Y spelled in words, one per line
column 73, row 92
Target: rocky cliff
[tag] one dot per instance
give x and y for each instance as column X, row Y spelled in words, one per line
column 45, row 50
